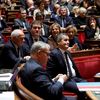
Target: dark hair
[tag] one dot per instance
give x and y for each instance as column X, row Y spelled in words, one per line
column 90, row 18
column 39, row 15
column 36, row 22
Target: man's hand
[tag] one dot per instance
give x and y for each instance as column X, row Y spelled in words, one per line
column 64, row 77
column 57, row 77
column 27, row 57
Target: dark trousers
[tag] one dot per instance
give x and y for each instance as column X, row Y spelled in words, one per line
column 71, row 86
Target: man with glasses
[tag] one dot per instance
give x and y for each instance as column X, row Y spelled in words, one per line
column 37, row 80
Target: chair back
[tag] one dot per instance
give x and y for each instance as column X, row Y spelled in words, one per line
column 22, row 91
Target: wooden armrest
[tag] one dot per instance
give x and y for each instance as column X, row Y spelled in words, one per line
column 26, row 91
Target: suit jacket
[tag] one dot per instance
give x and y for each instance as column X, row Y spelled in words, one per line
column 56, row 63
column 46, row 30
column 19, row 22
column 73, row 41
column 67, row 20
column 3, row 25
column 89, row 32
column 36, row 79
column 29, row 41
column 10, row 56
column 78, row 21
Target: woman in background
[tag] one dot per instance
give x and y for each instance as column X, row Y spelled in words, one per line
column 74, row 43
column 54, row 30
column 92, row 30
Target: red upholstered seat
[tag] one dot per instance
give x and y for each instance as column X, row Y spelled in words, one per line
column 88, row 66
column 81, row 36
column 70, row 95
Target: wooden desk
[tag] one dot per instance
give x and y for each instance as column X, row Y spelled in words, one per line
column 82, row 53
column 91, row 43
column 11, row 15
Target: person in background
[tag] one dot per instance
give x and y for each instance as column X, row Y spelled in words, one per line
column 92, row 30
column 55, row 11
column 75, row 12
column 22, row 22
column 74, row 43
column 60, row 61
column 35, row 78
column 3, row 23
column 34, row 35
column 48, row 6
column 40, row 8
column 54, row 30
column 63, row 19
column 13, row 51
column 80, row 20
column 45, row 28
column 30, row 8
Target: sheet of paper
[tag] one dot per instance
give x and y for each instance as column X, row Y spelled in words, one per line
column 5, row 76
column 7, row 95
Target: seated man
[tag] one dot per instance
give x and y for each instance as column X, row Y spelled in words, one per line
column 36, row 79
column 13, row 51
column 22, row 22
column 34, row 35
column 61, row 62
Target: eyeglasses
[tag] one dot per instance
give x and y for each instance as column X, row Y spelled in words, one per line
column 47, row 53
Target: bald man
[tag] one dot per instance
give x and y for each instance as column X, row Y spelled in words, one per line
column 13, row 51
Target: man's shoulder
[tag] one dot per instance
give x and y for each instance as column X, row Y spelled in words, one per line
column 55, row 51
column 32, row 65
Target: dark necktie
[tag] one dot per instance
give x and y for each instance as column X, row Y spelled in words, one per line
column 18, row 51
column 68, row 66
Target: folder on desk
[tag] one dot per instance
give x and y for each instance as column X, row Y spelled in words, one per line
column 85, row 86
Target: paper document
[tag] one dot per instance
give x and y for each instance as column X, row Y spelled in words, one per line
column 7, row 95
column 5, row 76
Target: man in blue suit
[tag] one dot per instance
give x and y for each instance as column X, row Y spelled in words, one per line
column 35, row 78
column 63, row 19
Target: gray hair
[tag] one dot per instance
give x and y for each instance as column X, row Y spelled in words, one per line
column 39, row 46
column 82, row 10
column 60, row 37
column 16, row 33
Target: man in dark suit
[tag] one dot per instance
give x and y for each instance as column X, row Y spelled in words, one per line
column 61, row 62
column 22, row 22
column 36, row 79
column 13, row 51
column 63, row 19
column 34, row 35
column 45, row 28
